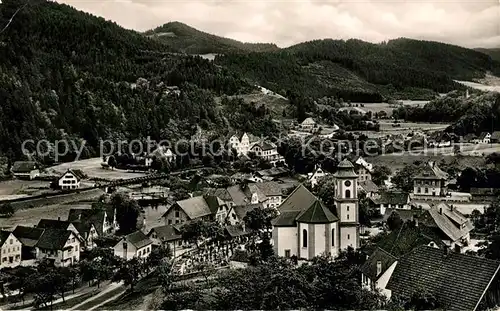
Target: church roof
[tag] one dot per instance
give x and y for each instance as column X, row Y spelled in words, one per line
column 317, row 214
column 300, row 199
column 345, row 169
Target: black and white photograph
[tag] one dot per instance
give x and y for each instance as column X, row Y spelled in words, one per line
column 250, row 155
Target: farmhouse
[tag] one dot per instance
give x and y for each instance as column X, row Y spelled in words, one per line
column 308, row 124
column 240, row 144
column 315, row 176
column 459, row 281
column 483, row 138
column 86, row 232
column 10, row 248
column 135, row 244
column 60, row 246
column 25, row 170
column 166, row 235
column 28, row 236
column 267, row 151
column 103, row 218
column 71, row 179
column 431, row 181
column 205, row 207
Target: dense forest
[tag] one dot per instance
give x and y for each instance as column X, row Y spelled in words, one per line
column 494, row 53
column 179, row 37
column 474, row 115
column 361, row 71
column 65, row 73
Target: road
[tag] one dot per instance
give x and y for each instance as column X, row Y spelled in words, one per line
column 113, row 291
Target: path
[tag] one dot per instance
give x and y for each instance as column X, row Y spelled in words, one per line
column 111, row 287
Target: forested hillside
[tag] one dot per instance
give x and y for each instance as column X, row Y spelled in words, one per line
column 65, row 73
column 362, row 71
column 480, row 112
column 181, row 38
column 494, row 53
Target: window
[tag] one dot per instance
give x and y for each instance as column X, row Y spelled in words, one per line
column 347, row 216
column 419, row 190
column 304, row 238
column 287, row 253
column 348, row 236
column 177, row 221
column 333, row 237
column 177, row 214
column 170, row 221
column 125, row 245
column 348, row 194
column 347, row 207
column 11, row 241
column 426, row 190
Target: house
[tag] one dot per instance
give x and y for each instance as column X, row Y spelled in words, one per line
column 458, row 281
column 268, row 193
column 439, row 139
column 25, row 170
column 10, row 248
column 495, row 137
column 315, row 176
column 377, row 270
column 390, row 199
column 28, row 236
column 369, row 188
column 241, row 177
column 404, row 214
column 206, row 207
column 71, row 179
column 162, row 152
column 167, row 235
column 362, row 167
column 308, row 124
column 483, row 138
column 306, row 228
column 267, row 151
column 101, row 216
column 451, row 226
column 60, row 246
column 133, row 245
column 240, row 143
column 430, row 181
column 86, row 232
column 238, row 213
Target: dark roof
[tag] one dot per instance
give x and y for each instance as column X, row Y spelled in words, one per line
column 221, row 193
column 448, row 222
column 317, row 214
column 404, row 214
column 265, row 145
column 28, row 236
column 274, row 171
column 53, row 239
column 93, row 216
column 166, row 233
column 345, row 169
column 79, row 175
column 483, row 135
column 299, row 200
column 286, row 219
column 392, row 198
column 138, row 239
column 82, row 227
column 369, row 268
column 369, row 186
column 270, row 188
column 430, row 171
column 457, row 280
column 236, row 231
column 197, row 207
column 3, row 236
column 53, row 223
column 242, row 210
column 23, row 166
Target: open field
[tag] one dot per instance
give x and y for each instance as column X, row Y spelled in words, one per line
column 92, row 167
column 386, row 128
column 378, row 107
column 396, row 162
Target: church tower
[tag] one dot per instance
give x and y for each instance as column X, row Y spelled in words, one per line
column 346, row 203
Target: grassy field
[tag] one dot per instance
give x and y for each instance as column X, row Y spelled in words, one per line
column 92, row 167
column 275, row 103
column 378, row 107
column 396, row 162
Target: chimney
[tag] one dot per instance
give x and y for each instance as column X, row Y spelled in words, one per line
column 446, row 250
column 379, row 267
column 58, row 218
column 441, row 210
column 451, row 207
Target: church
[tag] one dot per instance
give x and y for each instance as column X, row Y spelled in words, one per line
column 306, row 228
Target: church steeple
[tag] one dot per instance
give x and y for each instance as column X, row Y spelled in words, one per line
column 346, row 203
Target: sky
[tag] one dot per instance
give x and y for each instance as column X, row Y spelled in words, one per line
column 470, row 23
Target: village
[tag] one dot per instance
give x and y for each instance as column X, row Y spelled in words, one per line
column 73, row 213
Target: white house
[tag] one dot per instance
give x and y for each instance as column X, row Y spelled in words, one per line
column 306, row 228
column 267, row 151
column 134, row 245
column 240, row 144
column 60, row 246
column 25, row 170
column 10, row 249
column 308, row 124
column 70, row 180
column 484, row 138
column 315, row 176
column 162, row 152
column 377, row 270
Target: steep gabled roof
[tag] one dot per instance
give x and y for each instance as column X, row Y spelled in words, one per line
column 53, row 239
column 28, row 236
column 242, row 210
column 166, row 233
column 317, row 214
column 23, row 166
column 194, row 207
column 270, row 188
column 369, row 186
column 138, row 239
column 4, row 235
column 457, row 280
column 300, row 199
column 286, row 219
column 53, row 223
column 431, row 171
column 369, row 268
column 93, row 216
column 79, row 175
column 451, row 230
